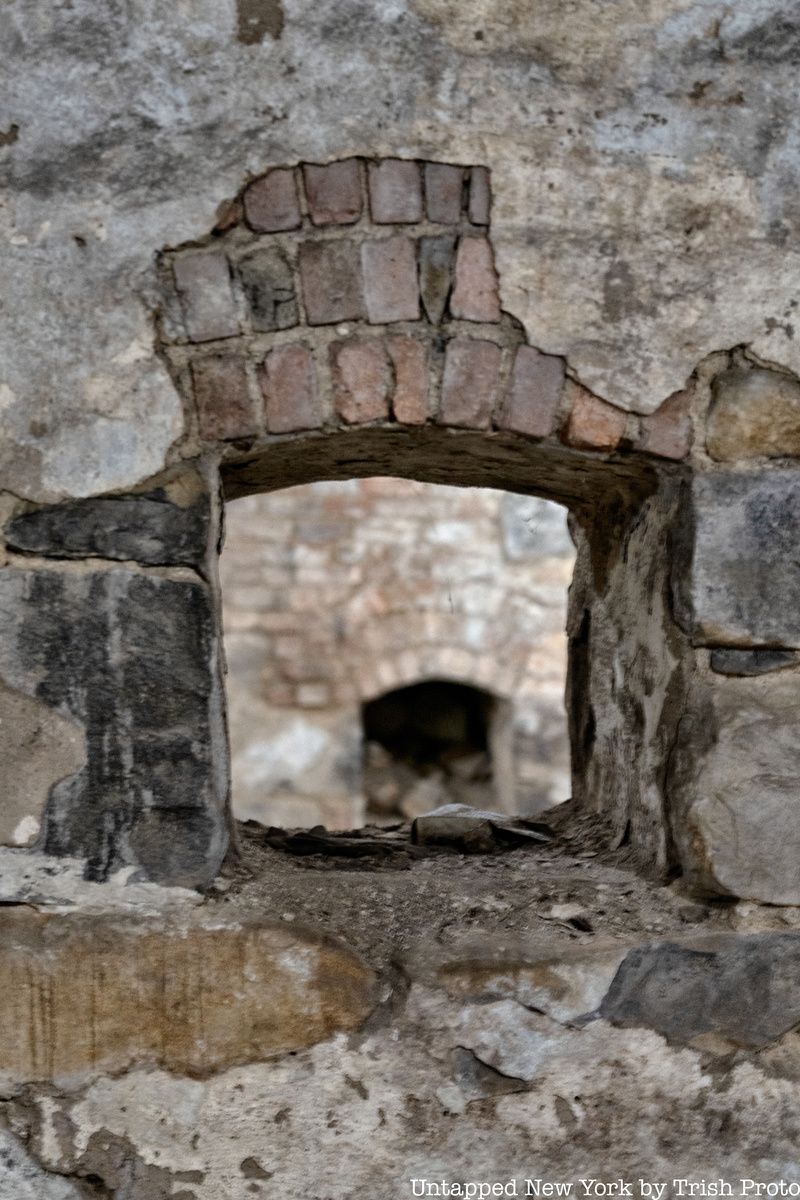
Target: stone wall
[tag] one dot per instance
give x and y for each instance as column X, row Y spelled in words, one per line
column 334, row 594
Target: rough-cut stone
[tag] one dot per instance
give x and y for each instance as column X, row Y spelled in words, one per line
column 291, row 395
column 38, row 749
column 330, row 275
column 268, row 284
column 203, row 281
column 443, row 190
column 436, row 258
column 334, row 192
column 391, row 292
column 739, row 988
column 225, row 407
column 480, row 199
column 194, row 995
column 361, row 380
column 470, row 383
column 753, row 662
column 534, row 393
column 736, row 582
column 667, row 433
column 411, row 380
column 593, row 424
column 131, row 658
column 475, row 293
column 754, row 413
column 271, row 204
column 736, row 810
column 395, row 192
column 169, row 524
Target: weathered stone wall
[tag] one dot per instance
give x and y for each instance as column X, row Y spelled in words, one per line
column 336, row 593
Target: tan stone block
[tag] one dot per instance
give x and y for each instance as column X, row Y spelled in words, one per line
column 193, row 994
column 754, row 413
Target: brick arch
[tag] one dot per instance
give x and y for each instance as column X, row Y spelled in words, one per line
column 425, row 661
column 344, row 320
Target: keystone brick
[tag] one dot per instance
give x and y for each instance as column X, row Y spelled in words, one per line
column 289, row 383
column 271, row 204
column 330, row 276
column 268, row 284
column 395, row 192
column 475, row 296
column 361, row 381
column 390, row 280
column 534, row 392
column 409, row 359
column 436, row 255
column 667, row 433
column 204, row 287
column 443, row 188
column 480, row 199
column 334, row 192
column 593, row 424
column 469, row 388
column 224, row 405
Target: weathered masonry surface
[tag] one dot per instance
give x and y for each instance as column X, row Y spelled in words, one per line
column 343, row 321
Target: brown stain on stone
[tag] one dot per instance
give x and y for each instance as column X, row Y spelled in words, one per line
column 257, row 18
column 85, row 994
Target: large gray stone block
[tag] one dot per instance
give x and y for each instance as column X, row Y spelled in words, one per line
column 131, row 658
column 736, row 579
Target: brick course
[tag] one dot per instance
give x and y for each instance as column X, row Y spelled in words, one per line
column 391, row 291
column 411, row 375
column 330, row 276
column 334, row 192
column 667, row 433
column 593, row 424
column 271, row 203
column 534, row 393
column 395, row 192
column 475, row 294
column 204, row 287
column 225, row 406
column 361, row 380
column 469, row 388
column 289, row 384
column 444, row 186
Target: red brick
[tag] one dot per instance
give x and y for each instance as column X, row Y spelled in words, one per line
column 271, row 204
column 667, row 433
column 289, row 383
column 203, row 281
column 334, row 192
column 444, row 186
column 469, row 387
column 534, row 392
column 593, row 424
column 410, row 361
column 330, row 274
column 480, row 196
column 361, row 379
column 391, row 291
column 475, row 295
column 395, row 192
column 225, row 406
